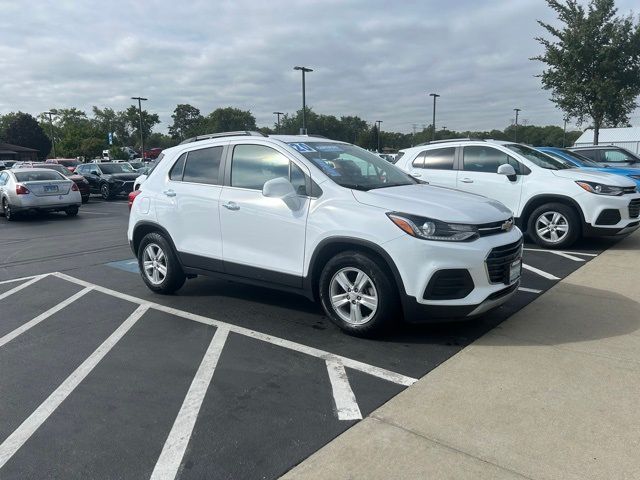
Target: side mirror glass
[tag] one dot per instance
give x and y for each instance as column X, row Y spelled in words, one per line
column 283, row 189
column 508, row 171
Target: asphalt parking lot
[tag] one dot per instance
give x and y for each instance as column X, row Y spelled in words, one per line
column 102, row 379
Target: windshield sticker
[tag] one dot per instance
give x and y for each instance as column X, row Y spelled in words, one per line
column 302, row 147
column 329, row 148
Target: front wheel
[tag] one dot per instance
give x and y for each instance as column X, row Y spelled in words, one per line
column 159, row 266
column 554, row 225
column 105, row 191
column 357, row 294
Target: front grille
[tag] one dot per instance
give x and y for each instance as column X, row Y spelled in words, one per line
column 494, row 228
column 634, row 208
column 500, row 259
column 609, row 216
column 449, row 285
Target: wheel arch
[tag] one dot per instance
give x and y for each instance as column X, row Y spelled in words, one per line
column 142, row 229
column 540, row 200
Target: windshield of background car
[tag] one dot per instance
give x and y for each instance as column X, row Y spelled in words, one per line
column 110, row 168
column 540, row 159
column 353, row 167
column 37, row 176
column 587, row 162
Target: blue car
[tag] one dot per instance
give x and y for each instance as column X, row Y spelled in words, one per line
column 579, row 161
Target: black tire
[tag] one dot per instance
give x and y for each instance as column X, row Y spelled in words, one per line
column 174, row 278
column 105, row 191
column 571, row 220
column 72, row 211
column 388, row 304
column 85, row 199
column 7, row 210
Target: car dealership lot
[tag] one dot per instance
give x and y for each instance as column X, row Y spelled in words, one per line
column 103, row 379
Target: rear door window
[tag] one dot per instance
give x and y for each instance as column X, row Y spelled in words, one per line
column 439, row 158
column 203, row 166
column 178, row 168
column 616, row 156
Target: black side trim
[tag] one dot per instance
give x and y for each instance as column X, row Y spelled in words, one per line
column 202, row 263
column 263, row 275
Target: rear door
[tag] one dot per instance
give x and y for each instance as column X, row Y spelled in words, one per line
column 478, row 174
column 435, row 166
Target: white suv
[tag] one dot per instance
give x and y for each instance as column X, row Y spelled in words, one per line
column 325, row 219
column 554, row 202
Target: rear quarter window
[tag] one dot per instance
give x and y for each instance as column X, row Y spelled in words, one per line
column 38, row 176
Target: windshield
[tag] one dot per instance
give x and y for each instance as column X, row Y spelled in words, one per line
column 37, row 176
column 110, row 168
column 586, row 162
column 353, row 167
column 540, row 159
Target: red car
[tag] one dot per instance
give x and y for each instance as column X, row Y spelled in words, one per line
column 69, row 163
column 79, row 180
column 152, row 153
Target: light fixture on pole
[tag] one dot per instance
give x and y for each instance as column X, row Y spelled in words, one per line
column 378, row 122
column 53, row 140
column 278, row 122
column 433, row 124
column 303, row 130
column 140, row 100
column 515, row 132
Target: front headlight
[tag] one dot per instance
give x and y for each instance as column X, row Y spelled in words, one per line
column 431, row 229
column 600, row 189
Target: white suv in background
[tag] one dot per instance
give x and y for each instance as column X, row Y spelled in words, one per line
column 325, row 219
column 554, row 202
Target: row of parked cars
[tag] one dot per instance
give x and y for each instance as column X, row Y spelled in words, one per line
column 62, row 184
column 437, row 235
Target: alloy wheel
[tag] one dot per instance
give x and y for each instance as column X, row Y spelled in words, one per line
column 552, row 227
column 353, row 296
column 154, row 264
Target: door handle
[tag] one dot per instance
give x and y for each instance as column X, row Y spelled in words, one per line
column 231, row 206
column 169, row 193
column 466, row 180
column 416, row 174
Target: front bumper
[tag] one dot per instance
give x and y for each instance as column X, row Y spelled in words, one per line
column 121, row 188
column 46, row 203
column 418, row 261
column 610, row 216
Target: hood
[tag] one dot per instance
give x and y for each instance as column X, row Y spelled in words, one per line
column 618, row 171
column 591, row 176
column 439, row 203
column 125, row 177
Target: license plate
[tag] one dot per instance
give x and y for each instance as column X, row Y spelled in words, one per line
column 515, row 270
column 50, row 188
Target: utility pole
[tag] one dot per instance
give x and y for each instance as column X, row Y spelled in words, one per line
column 53, row 140
column 140, row 100
column 378, row 122
column 278, row 122
column 303, row 130
column 433, row 124
column 564, row 132
column 515, row 134
column 413, row 140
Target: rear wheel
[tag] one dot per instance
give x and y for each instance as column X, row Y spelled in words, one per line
column 85, row 199
column 7, row 210
column 159, row 266
column 554, row 225
column 357, row 294
column 72, row 211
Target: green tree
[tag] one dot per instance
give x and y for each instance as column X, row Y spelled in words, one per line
column 187, row 122
column 131, row 119
column 22, row 129
column 592, row 62
column 229, row 119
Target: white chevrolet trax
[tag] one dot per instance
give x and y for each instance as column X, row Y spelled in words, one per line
column 325, row 219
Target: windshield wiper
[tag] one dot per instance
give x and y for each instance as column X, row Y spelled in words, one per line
column 387, row 185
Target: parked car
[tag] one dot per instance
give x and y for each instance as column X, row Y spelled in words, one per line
column 609, row 155
column 108, row 179
column 553, row 202
column 69, row 163
column 37, row 189
column 577, row 160
column 137, row 165
column 79, row 180
column 327, row 220
column 152, row 153
column 6, row 164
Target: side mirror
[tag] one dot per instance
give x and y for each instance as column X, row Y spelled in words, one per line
column 283, row 189
column 508, row 171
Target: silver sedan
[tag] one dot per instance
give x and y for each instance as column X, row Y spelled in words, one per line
column 37, row 189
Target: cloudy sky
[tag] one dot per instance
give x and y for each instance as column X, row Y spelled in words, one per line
column 373, row 58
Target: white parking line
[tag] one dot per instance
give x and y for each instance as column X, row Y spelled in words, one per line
column 16, row 280
column 539, row 272
column 176, row 444
column 43, row 316
column 20, row 287
column 19, row 437
column 529, row 290
column 82, row 210
column 345, row 400
column 561, row 252
column 314, row 352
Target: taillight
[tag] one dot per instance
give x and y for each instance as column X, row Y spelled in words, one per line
column 74, row 187
column 22, row 190
column 132, row 197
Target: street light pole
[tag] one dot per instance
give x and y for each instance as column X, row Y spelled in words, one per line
column 433, row 124
column 303, row 130
column 515, row 132
column 140, row 100
column 53, row 140
column 564, row 132
column 378, row 122
column 278, row 114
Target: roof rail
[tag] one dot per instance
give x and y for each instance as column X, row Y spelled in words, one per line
column 250, row 133
column 315, row 135
column 467, row 139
